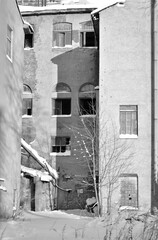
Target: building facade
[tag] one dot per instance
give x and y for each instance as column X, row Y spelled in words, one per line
column 127, row 100
column 11, row 66
column 61, row 70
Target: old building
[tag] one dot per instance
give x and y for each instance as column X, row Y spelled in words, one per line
column 61, row 70
column 11, row 66
column 128, row 98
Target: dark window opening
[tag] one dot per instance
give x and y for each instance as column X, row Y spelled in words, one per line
column 61, row 144
column 87, row 39
column 62, row 106
column 27, row 106
column 28, row 43
column 87, row 106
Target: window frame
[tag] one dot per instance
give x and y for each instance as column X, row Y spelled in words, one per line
column 66, row 32
column 129, row 177
column 61, row 149
column 133, row 122
column 27, row 95
column 59, row 101
column 9, row 49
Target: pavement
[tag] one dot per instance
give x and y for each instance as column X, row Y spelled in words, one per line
column 56, row 225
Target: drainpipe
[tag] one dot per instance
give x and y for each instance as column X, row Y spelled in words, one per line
column 153, row 119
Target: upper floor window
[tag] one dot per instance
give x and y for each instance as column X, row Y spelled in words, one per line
column 87, row 36
column 61, row 145
column 87, row 99
column 9, row 42
column 129, row 120
column 61, row 106
column 62, row 87
column 27, row 101
column 29, row 34
column 62, row 34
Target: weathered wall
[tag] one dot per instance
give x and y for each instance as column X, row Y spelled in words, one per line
column 10, row 106
column 45, row 66
column 125, row 79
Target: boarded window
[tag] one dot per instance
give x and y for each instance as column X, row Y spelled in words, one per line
column 60, row 144
column 62, row 87
column 62, row 34
column 129, row 190
column 129, row 119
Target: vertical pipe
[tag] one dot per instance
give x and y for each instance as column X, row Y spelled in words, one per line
column 152, row 104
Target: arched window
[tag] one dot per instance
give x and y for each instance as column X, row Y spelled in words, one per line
column 27, row 101
column 62, row 87
column 87, row 36
column 62, row 104
column 87, row 99
column 62, row 34
column 29, row 32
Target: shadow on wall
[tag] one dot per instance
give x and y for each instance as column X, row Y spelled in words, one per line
column 77, row 65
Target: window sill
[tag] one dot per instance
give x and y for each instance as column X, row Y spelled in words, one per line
column 67, row 153
column 27, row 48
column 128, row 208
column 88, row 115
column 26, row 116
column 61, row 116
column 128, row 136
column 67, row 46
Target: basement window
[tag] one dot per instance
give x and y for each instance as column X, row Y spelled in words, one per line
column 61, row 106
column 61, row 145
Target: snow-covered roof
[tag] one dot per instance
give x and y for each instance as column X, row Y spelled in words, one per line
column 36, row 173
column 108, row 3
column 42, row 161
column 56, row 7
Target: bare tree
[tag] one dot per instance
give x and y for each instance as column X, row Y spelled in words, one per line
column 102, row 152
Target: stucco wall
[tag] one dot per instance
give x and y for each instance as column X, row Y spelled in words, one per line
column 45, row 66
column 125, row 79
column 10, row 107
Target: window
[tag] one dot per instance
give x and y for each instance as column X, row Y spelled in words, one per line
column 87, row 36
column 87, row 100
column 27, row 101
column 62, row 87
column 28, row 41
column 60, row 144
column 9, row 42
column 62, row 34
column 29, row 31
column 129, row 190
column 129, row 120
column 87, row 106
column 61, row 106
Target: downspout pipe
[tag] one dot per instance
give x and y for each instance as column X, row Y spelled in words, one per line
column 153, row 137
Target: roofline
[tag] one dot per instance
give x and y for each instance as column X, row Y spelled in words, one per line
column 44, row 11
column 19, row 11
column 107, row 5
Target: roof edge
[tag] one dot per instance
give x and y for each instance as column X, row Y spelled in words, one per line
column 109, row 3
